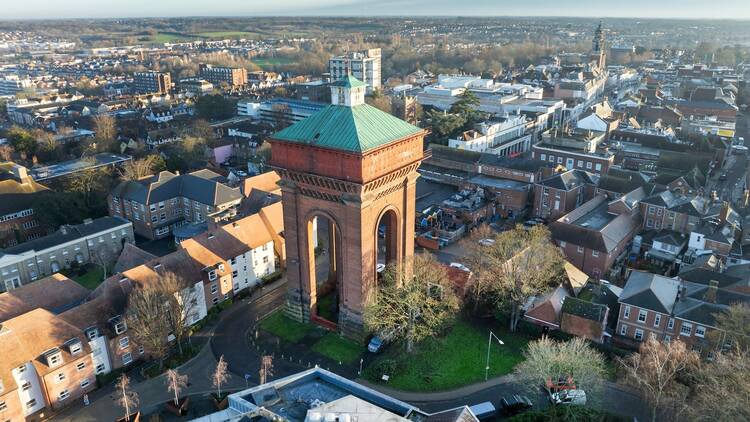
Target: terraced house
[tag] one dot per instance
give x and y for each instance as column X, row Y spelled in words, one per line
column 159, row 203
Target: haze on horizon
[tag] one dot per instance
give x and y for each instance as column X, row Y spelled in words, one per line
column 692, row 9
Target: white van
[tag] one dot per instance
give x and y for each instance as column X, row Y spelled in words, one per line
column 577, row 397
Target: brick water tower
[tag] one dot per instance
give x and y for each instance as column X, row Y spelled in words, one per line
column 348, row 180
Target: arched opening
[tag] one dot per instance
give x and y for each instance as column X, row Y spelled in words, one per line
column 325, row 278
column 387, row 242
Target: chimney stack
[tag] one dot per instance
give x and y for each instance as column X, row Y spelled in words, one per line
column 710, row 295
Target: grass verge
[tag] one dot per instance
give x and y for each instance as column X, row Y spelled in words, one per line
column 337, row 348
column 281, row 326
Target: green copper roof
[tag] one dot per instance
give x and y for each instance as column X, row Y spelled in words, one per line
column 353, row 129
column 349, row 82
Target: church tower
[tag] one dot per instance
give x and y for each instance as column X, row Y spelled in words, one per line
column 598, row 49
column 348, row 176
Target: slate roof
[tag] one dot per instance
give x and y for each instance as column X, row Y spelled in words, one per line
column 203, row 186
column 592, row 226
column 66, row 234
column 356, row 129
column 704, row 276
column 584, row 309
column 622, row 181
column 650, row 291
column 570, row 179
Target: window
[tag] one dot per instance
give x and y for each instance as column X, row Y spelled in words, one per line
column 92, row 333
column 598, row 167
column 562, row 243
column 141, row 350
column 588, row 165
column 626, row 312
column 265, row 259
column 85, row 383
column 670, row 323
column 595, row 253
column 642, row 314
column 120, row 327
column 579, row 249
column 75, row 348
column 154, row 218
column 124, row 343
column 163, row 216
column 212, row 276
column 64, row 394
column 667, row 338
column 3, row 406
column 31, row 403
column 657, row 320
column 127, row 358
column 214, row 288
column 215, row 300
column 624, row 330
column 686, row 329
column 26, row 386
column 559, row 160
column 638, row 334
column 21, row 369
column 543, row 157
column 99, row 369
column 700, row 331
column 60, row 377
column 54, row 359
column 81, row 366
column 580, row 163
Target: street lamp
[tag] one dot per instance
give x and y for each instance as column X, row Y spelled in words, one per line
column 489, row 345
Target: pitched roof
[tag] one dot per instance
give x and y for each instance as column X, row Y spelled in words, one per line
column 592, row 226
column 130, row 257
column 650, row 291
column 356, row 129
column 570, row 179
column 349, row 81
column 25, row 337
column 265, row 182
column 584, row 309
column 203, row 186
column 55, row 293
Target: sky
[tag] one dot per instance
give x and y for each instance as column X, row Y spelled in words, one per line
column 699, row 9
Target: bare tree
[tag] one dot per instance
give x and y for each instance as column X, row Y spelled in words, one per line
column 519, row 264
column 546, row 359
column 6, row 153
column 734, row 324
column 266, row 368
column 656, row 371
column 176, row 383
column 481, row 288
column 89, row 181
column 180, row 303
column 138, row 169
column 722, row 390
column 220, row 376
column 147, row 320
column 105, row 127
column 413, row 308
column 126, row 398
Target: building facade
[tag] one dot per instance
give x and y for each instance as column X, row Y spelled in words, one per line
column 218, row 76
column 363, row 65
column 152, row 82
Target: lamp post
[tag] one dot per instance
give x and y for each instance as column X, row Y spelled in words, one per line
column 489, row 345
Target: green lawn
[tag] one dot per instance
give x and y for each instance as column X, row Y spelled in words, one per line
column 266, row 62
column 287, row 329
column 451, row 361
column 335, row 347
column 227, row 34
column 91, row 278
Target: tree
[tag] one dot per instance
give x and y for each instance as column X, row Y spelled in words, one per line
column 416, row 307
column 546, row 359
column 220, row 376
column 722, row 390
column 176, row 383
column 379, row 101
column 180, row 305
column 147, row 320
column 656, row 371
column 6, row 153
column 138, row 169
column 89, row 182
column 54, row 209
column 22, row 141
column 126, row 398
column 445, row 125
column 214, row 107
column 734, row 323
column 519, row 264
column 105, row 127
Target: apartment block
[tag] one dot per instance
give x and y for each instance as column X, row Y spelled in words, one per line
column 94, row 241
column 152, row 82
column 157, row 204
column 18, row 192
column 231, row 76
column 363, row 65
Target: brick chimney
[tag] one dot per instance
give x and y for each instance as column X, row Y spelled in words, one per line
column 710, row 295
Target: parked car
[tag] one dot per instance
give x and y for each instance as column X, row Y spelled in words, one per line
column 380, row 268
column 460, row 266
column 568, row 397
column 487, row 242
column 375, row 344
column 483, row 411
column 723, row 177
column 515, row 404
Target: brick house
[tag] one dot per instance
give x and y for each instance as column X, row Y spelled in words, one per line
column 157, row 204
column 669, row 309
column 46, row 363
column 574, row 158
column 562, row 193
column 670, row 211
column 595, row 234
column 18, row 192
column 585, row 319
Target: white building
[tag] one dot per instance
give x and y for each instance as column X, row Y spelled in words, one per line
column 494, row 97
column 12, row 84
column 363, row 65
column 504, row 137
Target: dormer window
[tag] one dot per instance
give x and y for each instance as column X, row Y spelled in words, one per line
column 92, row 333
column 212, row 275
column 74, row 346
column 221, row 267
column 118, row 324
column 53, row 357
